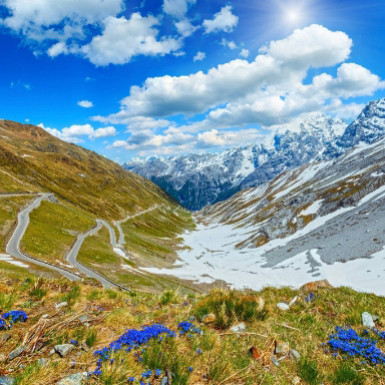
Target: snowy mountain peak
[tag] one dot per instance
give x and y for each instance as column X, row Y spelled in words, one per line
column 368, row 127
column 197, row 180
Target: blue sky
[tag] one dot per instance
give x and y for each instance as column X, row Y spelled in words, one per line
column 148, row 77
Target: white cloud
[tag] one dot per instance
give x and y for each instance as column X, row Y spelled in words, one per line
column 199, row 56
column 85, row 104
column 177, row 8
column 352, row 80
column 75, row 132
column 124, row 38
column 313, row 46
column 235, row 80
column 271, row 90
column 245, row 53
column 57, row 49
column 215, row 138
column 34, row 18
column 185, row 28
column 229, row 44
column 224, row 20
column 65, row 26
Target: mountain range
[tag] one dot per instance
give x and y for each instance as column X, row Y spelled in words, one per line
column 320, row 221
column 198, row 180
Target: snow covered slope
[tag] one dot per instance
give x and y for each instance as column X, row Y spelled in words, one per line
column 197, row 180
column 324, row 220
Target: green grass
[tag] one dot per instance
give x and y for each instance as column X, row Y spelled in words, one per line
column 52, row 230
column 74, row 174
column 97, row 253
column 153, row 238
column 9, row 208
column 217, row 356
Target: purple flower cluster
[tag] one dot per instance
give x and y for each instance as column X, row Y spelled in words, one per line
column 348, row 343
column 188, row 327
column 7, row 320
column 130, row 340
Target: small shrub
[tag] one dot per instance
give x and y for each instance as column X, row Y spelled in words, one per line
column 168, row 296
column 72, row 295
column 112, row 294
column 6, row 301
column 91, row 337
column 165, row 356
column 38, row 293
column 94, row 295
column 308, row 371
column 347, row 374
column 230, row 307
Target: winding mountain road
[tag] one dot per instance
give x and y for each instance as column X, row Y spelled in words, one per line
column 122, row 240
column 13, row 246
column 72, row 255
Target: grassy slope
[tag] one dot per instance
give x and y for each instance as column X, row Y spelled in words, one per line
column 154, row 237
column 52, row 230
column 96, row 252
column 75, row 174
column 225, row 357
column 88, row 185
column 9, row 208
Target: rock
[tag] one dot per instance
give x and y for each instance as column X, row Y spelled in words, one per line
column 238, row 328
column 296, row 381
column 17, row 352
column 281, row 348
column 85, row 320
column 367, row 320
column 293, row 301
column 7, row 380
column 164, row 381
column 294, row 355
column 61, row 304
column 6, row 337
column 45, row 316
column 42, row 362
column 64, row 350
column 283, row 306
column 316, row 285
column 256, row 353
column 261, row 303
column 209, row 318
column 375, row 317
column 74, row 379
column 84, row 347
column 274, row 360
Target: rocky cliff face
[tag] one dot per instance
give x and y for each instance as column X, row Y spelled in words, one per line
column 198, row 180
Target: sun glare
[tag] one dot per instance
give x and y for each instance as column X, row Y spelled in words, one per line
column 293, row 16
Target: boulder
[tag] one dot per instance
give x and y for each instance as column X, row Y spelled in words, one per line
column 64, row 349
column 238, row 328
column 316, row 285
column 294, row 355
column 61, row 304
column 17, row 352
column 7, row 380
column 74, row 379
column 281, row 348
column 367, row 320
column 209, row 318
column 283, row 306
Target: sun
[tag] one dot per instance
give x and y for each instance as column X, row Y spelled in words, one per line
column 293, row 16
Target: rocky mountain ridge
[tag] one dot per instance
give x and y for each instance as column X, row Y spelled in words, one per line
column 198, row 180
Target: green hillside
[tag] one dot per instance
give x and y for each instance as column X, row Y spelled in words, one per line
column 86, row 187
